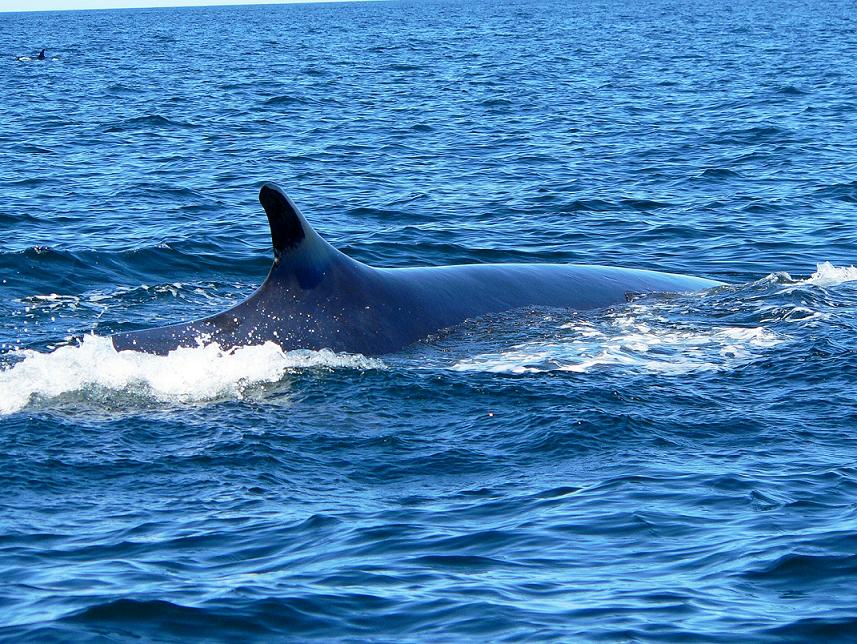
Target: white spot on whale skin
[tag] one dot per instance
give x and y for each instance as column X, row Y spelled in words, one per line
column 192, row 374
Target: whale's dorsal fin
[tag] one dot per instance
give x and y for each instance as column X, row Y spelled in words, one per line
column 291, row 233
column 298, row 249
column 288, row 226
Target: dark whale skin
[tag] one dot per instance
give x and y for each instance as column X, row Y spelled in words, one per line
column 316, row 297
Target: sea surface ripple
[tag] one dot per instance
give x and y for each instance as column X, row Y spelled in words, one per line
column 680, row 468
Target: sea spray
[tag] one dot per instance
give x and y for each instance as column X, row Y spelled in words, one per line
column 185, row 375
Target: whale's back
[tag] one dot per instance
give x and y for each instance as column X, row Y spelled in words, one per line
column 317, row 297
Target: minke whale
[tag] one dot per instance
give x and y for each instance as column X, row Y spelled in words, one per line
column 316, row 297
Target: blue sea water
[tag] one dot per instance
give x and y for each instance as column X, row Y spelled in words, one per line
column 681, row 468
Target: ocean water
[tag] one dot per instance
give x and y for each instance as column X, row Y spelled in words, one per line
column 680, row 468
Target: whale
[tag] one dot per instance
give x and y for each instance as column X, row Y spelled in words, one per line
column 27, row 59
column 316, row 297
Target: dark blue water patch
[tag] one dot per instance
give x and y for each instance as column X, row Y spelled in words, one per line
column 285, row 100
column 753, row 135
column 840, row 191
column 34, row 149
column 719, row 174
column 26, row 183
column 148, row 123
column 791, row 90
column 121, row 89
column 834, row 629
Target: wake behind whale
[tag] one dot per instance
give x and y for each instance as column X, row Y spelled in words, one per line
column 316, row 297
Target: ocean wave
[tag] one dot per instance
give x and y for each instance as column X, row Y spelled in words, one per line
column 718, row 173
column 147, row 122
column 286, row 99
column 846, row 191
column 198, row 374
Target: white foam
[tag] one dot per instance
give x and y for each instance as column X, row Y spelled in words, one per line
column 185, row 375
column 826, row 274
column 50, row 302
column 629, row 343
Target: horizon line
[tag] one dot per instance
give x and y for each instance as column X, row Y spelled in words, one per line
column 179, row 4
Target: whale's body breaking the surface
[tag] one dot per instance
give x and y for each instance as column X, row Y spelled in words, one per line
column 316, row 297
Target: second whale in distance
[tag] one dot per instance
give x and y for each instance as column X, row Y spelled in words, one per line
column 316, row 297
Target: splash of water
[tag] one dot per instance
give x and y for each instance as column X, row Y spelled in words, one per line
column 632, row 343
column 185, row 375
column 826, row 274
